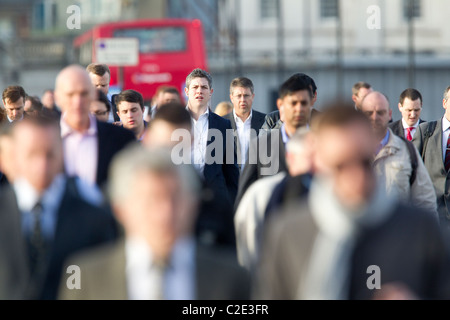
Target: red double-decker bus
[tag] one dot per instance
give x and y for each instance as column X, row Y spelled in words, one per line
column 169, row 50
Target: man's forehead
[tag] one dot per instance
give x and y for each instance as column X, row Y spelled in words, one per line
column 128, row 105
column 200, row 81
column 19, row 103
column 298, row 94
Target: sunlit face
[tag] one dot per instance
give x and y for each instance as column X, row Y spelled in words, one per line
column 15, row 110
column 38, row 154
column 446, row 106
column 376, row 108
column 411, row 111
column 344, row 157
column 131, row 115
column 101, row 82
column 199, row 94
column 295, row 109
column 74, row 94
column 242, row 99
column 99, row 110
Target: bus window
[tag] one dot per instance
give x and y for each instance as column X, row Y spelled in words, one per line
column 156, row 40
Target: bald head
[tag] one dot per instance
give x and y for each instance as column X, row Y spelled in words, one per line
column 73, row 94
column 376, row 107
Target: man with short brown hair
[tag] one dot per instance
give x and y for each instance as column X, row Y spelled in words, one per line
column 100, row 76
column 13, row 99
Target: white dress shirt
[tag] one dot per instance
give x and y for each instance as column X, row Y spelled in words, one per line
column 200, row 131
column 81, row 151
column 143, row 279
column 243, row 129
column 413, row 130
column 445, row 134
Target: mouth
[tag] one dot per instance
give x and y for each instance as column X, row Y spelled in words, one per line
column 199, row 98
column 131, row 122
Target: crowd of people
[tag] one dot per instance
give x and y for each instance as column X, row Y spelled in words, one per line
column 178, row 201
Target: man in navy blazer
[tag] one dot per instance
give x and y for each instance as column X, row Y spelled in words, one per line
column 89, row 145
column 245, row 121
column 211, row 145
column 44, row 215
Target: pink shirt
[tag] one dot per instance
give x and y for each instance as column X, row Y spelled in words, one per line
column 81, row 151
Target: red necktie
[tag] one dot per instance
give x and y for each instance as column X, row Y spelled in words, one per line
column 447, row 155
column 408, row 133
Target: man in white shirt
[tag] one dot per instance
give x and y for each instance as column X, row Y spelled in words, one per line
column 217, row 167
column 244, row 119
column 410, row 106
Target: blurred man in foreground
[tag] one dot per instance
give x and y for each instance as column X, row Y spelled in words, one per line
column 343, row 241
column 156, row 202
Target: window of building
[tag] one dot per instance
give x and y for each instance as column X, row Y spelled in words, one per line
column 415, row 6
column 268, row 9
column 329, row 8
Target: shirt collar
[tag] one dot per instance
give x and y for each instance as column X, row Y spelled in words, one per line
column 284, row 134
column 237, row 119
column 445, row 124
column 385, row 140
column 27, row 196
column 405, row 125
column 139, row 254
column 190, row 113
column 11, row 121
column 67, row 130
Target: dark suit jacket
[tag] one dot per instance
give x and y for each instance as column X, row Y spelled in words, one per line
column 418, row 257
column 79, row 225
column 272, row 161
column 218, row 277
column 256, row 124
column 434, row 162
column 257, row 121
column 111, row 139
column 223, row 177
column 397, row 127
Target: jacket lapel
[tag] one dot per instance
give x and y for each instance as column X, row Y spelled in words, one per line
column 435, row 143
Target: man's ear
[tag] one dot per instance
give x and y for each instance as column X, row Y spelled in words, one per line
column 400, row 107
column 279, row 103
column 354, row 98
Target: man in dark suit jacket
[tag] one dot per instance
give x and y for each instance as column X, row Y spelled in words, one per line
column 272, row 119
column 245, row 121
column 267, row 152
column 349, row 247
column 89, row 145
column 410, row 106
column 431, row 140
column 44, row 215
column 219, row 165
column 156, row 203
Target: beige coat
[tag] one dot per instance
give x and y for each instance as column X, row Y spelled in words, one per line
column 393, row 169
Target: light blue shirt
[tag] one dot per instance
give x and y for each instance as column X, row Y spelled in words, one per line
column 284, row 134
column 384, row 142
column 27, row 198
